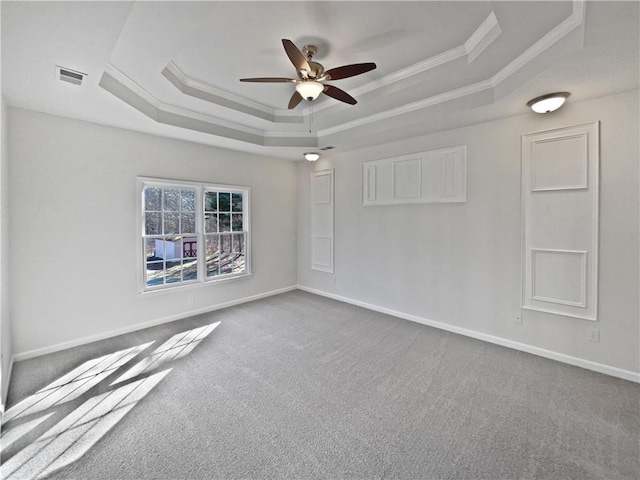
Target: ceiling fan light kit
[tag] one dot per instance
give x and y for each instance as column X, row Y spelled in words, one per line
column 548, row 103
column 311, row 75
column 309, row 89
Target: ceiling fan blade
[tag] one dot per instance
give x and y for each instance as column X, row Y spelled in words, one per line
column 295, row 100
column 338, row 94
column 297, row 58
column 268, row 79
column 347, row 71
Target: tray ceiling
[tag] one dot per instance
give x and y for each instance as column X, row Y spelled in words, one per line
column 172, row 68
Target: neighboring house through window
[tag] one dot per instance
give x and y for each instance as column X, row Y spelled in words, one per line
column 192, row 232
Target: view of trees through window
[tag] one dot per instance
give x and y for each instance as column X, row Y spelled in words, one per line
column 224, row 233
column 172, row 221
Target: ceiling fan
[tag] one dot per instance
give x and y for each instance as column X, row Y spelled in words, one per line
column 311, row 75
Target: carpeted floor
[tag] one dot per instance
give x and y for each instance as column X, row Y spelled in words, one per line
column 300, row 386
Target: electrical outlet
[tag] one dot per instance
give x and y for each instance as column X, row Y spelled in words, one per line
column 191, row 299
column 593, row 335
column 517, row 318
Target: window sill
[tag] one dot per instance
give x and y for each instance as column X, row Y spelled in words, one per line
column 193, row 286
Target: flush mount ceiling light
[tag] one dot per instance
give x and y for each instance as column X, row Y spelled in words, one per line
column 311, row 156
column 548, row 103
column 309, row 89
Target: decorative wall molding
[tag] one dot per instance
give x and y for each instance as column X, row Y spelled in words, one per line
column 579, row 169
column 560, row 180
column 436, row 176
column 322, row 226
column 578, row 258
column 504, row 342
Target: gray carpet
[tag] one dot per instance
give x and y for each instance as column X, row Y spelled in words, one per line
column 300, row 386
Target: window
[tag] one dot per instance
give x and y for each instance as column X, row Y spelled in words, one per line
column 192, row 232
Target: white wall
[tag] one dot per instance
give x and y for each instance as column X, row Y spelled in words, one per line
column 73, row 192
column 459, row 264
column 6, row 348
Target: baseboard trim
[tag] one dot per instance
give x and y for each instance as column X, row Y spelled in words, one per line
column 141, row 326
column 541, row 352
column 5, row 385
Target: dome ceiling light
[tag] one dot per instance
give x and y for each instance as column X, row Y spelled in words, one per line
column 548, row 103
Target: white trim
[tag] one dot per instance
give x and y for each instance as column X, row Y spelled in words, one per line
column 504, row 342
column 210, row 89
column 483, row 36
column 583, row 277
column 556, row 34
column 18, row 357
column 5, row 387
column 114, row 81
column 591, row 131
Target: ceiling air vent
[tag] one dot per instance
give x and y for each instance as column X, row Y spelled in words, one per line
column 69, row 76
column 328, row 147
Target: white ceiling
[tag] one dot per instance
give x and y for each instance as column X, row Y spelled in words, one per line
column 172, row 68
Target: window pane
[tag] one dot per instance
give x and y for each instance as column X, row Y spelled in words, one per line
column 150, row 249
column 169, row 248
column 211, row 223
column 155, row 273
column 211, row 201
column 188, row 200
column 152, row 198
column 225, row 202
column 236, row 202
column 188, row 222
column 171, row 222
column 213, row 255
column 190, row 270
column 152, row 223
column 171, row 199
column 238, row 243
column 225, row 222
column 174, row 272
column 236, row 222
column 239, row 255
column 226, row 256
column 238, row 263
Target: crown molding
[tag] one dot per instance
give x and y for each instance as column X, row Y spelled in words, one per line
column 120, row 85
column 126, row 89
column 575, row 20
column 410, row 107
column 481, row 38
column 204, row 91
column 484, row 35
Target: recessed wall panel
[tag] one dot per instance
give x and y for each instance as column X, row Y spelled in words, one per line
column 322, row 223
column 435, row 176
column 407, row 179
column 560, row 221
column 559, row 163
column 559, row 276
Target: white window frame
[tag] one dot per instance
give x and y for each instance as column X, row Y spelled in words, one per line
column 201, row 188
